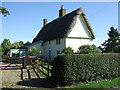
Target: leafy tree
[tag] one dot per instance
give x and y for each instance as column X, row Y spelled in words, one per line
column 21, row 43
column 113, row 42
column 6, row 45
column 68, row 50
column 27, row 43
column 4, row 11
column 34, row 52
column 87, row 49
column 2, row 51
column 16, row 45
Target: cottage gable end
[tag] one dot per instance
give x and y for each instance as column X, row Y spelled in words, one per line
column 80, row 30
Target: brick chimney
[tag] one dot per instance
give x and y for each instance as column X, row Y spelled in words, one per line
column 44, row 22
column 62, row 11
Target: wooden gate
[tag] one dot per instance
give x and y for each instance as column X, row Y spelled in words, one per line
column 41, row 66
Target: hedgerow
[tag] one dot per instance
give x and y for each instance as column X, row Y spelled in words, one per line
column 71, row 69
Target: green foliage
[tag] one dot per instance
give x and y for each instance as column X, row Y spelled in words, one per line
column 16, row 45
column 27, row 43
column 87, row 49
column 2, row 51
column 34, row 52
column 71, row 69
column 4, row 11
column 21, row 43
column 6, row 45
column 113, row 42
column 68, row 50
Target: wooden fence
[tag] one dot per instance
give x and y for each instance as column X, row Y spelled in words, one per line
column 42, row 66
column 13, row 62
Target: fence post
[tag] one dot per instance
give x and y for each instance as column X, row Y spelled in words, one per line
column 24, row 62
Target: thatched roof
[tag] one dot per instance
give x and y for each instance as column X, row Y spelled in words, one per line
column 62, row 26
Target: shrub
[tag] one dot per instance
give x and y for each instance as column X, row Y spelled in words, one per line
column 71, row 69
column 68, row 50
column 15, row 54
column 2, row 51
column 33, row 52
column 86, row 49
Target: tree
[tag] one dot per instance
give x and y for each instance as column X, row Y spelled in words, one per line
column 68, row 50
column 113, row 43
column 6, row 45
column 2, row 51
column 21, row 43
column 4, row 11
column 27, row 43
column 34, row 52
column 87, row 49
column 16, row 45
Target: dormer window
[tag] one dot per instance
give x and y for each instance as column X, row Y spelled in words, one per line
column 58, row 41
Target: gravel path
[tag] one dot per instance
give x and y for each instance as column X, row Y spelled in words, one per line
column 24, row 78
column 10, row 78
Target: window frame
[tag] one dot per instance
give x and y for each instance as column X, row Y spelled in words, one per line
column 58, row 41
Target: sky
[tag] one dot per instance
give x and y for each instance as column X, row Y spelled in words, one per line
column 26, row 18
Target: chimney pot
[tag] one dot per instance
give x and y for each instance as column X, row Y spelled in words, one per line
column 62, row 11
column 62, row 7
column 44, row 22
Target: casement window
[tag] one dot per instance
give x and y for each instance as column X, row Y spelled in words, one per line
column 58, row 52
column 58, row 41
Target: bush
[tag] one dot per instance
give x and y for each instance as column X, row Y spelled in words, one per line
column 71, row 69
column 87, row 49
column 68, row 50
column 15, row 54
column 2, row 51
column 33, row 52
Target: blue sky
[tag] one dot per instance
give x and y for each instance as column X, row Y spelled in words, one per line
column 26, row 18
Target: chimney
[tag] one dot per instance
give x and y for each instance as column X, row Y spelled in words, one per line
column 62, row 11
column 44, row 22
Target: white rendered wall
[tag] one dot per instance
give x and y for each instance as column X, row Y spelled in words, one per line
column 53, row 47
column 80, row 29
column 76, row 43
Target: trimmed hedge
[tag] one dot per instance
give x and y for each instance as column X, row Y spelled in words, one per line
column 71, row 69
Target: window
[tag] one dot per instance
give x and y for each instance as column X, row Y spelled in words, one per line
column 49, row 42
column 41, row 44
column 58, row 52
column 58, row 41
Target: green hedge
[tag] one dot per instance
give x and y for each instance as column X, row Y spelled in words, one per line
column 71, row 69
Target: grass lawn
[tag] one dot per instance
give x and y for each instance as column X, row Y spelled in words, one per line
column 98, row 84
